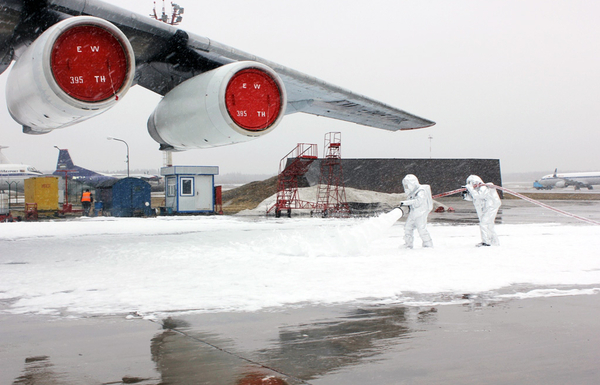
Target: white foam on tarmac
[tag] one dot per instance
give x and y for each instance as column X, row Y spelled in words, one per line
column 154, row 265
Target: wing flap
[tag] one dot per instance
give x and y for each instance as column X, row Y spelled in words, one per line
column 368, row 114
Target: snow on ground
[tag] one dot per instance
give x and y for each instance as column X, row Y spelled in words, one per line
column 218, row 263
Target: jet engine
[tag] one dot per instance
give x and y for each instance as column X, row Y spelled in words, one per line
column 560, row 184
column 234, row 103
column 77, row 69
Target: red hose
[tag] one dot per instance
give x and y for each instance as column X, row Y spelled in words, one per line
column 562, row 212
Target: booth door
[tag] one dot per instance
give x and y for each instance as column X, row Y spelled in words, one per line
column 204, row 193
column 171, row 192
column 196, row 193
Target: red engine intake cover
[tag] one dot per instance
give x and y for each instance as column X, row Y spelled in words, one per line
column 89, row 63
column 253, row 99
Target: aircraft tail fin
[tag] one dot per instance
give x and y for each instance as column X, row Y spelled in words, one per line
column 64, row 161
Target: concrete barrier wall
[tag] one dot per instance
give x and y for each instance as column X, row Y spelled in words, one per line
column 385, row 175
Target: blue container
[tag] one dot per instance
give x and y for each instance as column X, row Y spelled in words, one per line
column 97, row 208
column 127, row 197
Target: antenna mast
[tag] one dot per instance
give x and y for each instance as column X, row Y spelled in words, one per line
column 173, row 19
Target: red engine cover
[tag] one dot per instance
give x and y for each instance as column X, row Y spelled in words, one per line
column 89, row 63
column 253, row 99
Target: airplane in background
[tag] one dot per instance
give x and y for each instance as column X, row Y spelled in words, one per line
column 577, row 179
column 13, row 175
column 66, row 168
column 75, row 59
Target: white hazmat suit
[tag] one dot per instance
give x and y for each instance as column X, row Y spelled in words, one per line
column 487, row 202
column 420, row 203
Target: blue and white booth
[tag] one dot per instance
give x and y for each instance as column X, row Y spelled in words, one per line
column 190, row 189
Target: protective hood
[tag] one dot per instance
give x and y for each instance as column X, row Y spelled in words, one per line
column 474, row 180
column 410, row 184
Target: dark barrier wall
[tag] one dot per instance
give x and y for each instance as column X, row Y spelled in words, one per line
column 385, row 175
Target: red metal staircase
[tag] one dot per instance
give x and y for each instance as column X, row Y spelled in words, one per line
column 287, row 182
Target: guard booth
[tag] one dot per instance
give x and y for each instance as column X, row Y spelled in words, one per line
column 127, row 197
column 190, row 189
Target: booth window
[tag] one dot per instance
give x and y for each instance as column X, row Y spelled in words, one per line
column 187, row 186
column 171, row 184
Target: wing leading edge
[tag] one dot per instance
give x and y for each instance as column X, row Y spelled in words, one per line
column 167, row 56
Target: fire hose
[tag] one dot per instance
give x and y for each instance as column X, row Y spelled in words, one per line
column 562, row 212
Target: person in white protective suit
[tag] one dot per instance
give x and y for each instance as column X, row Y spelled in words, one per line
column 487, row 202
column 420, row 203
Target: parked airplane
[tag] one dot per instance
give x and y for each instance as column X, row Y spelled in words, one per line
column 66, row 167
column 13, row 175
column 577, row 179
column 75, row 59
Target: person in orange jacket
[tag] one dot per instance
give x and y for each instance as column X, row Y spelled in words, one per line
column 86, row 201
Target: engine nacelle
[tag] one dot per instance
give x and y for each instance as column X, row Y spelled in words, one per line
column 560, row 184
column 231, row 104
column 78, row 68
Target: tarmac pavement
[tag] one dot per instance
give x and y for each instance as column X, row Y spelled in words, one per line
column 536, row 341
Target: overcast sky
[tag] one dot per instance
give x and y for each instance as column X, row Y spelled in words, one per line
column 514, row 80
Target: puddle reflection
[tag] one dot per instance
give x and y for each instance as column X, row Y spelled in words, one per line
column 40, row 370
column 185, row 357
column 300, row 354
column 184, row 353
column 313, row 350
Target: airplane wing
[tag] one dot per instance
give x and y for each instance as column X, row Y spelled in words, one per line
column 166, row 57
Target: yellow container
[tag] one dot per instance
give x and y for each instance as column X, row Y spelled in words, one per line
column 43, row 191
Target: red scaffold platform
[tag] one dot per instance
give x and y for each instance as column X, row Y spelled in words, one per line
column 287, row 182
column 331, row 193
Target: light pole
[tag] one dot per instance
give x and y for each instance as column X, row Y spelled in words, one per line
column 430, row 138
column 121, row 140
